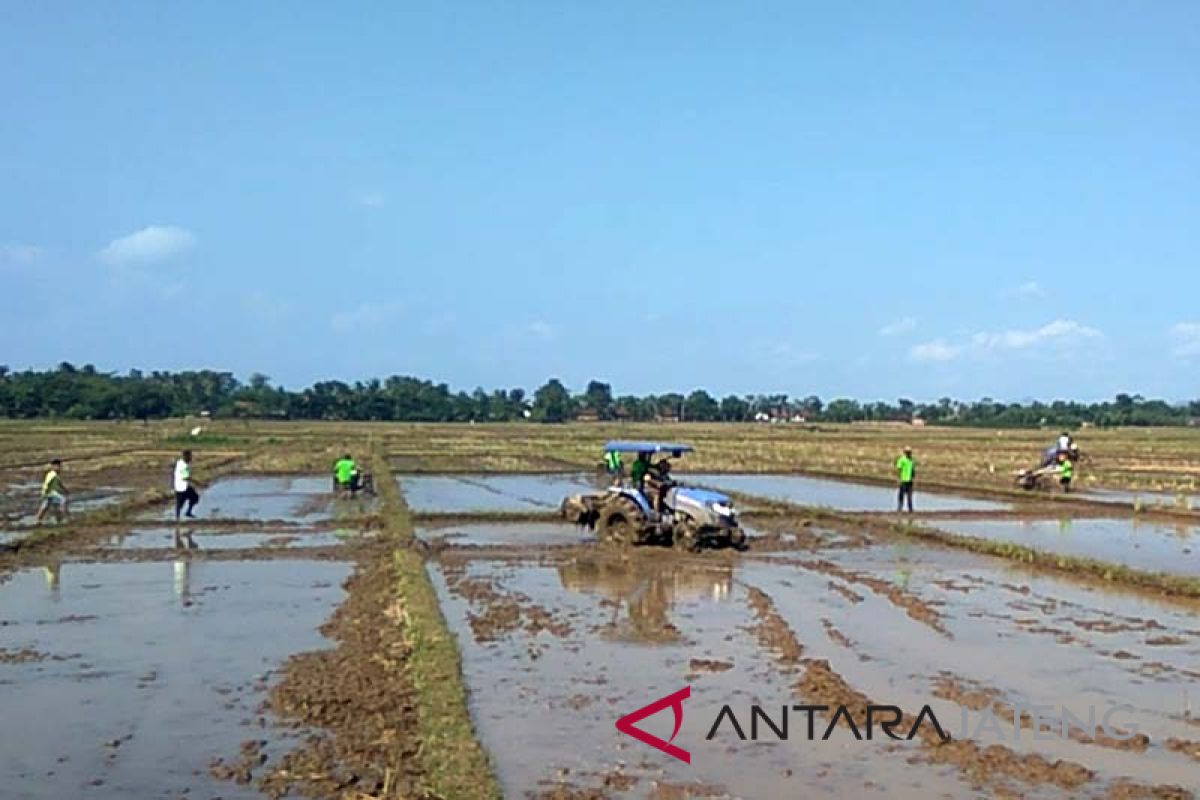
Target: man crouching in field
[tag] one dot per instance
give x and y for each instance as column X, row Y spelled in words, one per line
column 54, row 494
column 184, row 491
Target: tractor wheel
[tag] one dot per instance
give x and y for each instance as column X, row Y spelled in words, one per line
column 621, row 522
column 737, row 539
column 687, row 536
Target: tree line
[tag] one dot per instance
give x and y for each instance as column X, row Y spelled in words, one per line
column 85, row 393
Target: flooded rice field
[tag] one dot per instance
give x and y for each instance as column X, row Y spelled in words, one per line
column 491, row 493
column 1174, row 501
column 1132, row 542
column 198, row 537
column 138, row 662
column 839, row 495
column 484, row 534
column 303, row 500
column 1047, row 686
column 127, row 680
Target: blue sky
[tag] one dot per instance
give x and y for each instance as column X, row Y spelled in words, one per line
column 871, row 199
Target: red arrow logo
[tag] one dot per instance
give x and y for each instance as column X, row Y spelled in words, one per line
column 675, row 700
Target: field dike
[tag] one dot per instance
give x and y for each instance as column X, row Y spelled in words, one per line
column 387, row 703
column 455, row 764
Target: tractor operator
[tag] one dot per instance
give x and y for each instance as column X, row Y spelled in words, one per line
column 659, row 480
column 637, row 472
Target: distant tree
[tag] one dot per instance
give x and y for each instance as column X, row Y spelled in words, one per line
column 552, row 402
column 734, row 409
column 701, row 407
column 599, row 398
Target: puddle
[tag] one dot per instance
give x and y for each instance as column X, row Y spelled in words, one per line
column 166, row 538
column 840, row 495
column 149, row 671
column 586, row 643
column 1151, row 546
column 1181, row 501
column 302, row 499
column 490, row 493
column 492, row 534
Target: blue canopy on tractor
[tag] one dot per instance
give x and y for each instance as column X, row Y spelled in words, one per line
column 621, row 446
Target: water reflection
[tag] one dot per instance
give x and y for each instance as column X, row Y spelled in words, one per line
column 642, row 596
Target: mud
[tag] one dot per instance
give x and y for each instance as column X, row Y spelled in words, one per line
column 358, row 698
column 499, row 534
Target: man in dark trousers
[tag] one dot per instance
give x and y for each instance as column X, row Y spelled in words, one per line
column 185, row 492
column 905, row 470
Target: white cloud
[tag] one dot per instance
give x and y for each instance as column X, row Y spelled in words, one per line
column 1028, row 289
column 150, row 245
column 364, row 316
column 1058, row 331
column 20, row 254
column 1187, row 339
column 371, row 200
column 900, row 326
column 937, row 350
column 542, row 330
column 1061, row 334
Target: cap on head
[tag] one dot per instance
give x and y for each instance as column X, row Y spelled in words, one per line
column 908, row 450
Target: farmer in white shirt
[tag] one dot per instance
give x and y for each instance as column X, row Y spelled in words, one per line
column 184, row 491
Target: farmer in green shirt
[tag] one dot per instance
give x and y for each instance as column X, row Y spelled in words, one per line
column 905, row 468
column 614, row 466
column 637, row 472
column 1066, row 471
column 343, row 474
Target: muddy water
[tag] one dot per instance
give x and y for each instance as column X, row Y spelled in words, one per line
column 546, row 693
column 143, row 673
column 491, row 493
column 301, row 499
column 211, row 539
column 24, row 508
column 1147, row 499
column 1033, row 641
column 1152, row 546
column 839, row 495
column 494, row 534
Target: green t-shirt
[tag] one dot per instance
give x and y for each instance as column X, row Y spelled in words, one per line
column 343, row 470
column 638, row 470
column 905, row 467
column 1067, row 469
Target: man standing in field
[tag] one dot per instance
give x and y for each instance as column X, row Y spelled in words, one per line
column 54, row 494
column 905, row 469
column 184, row 491
column 1066, row 471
